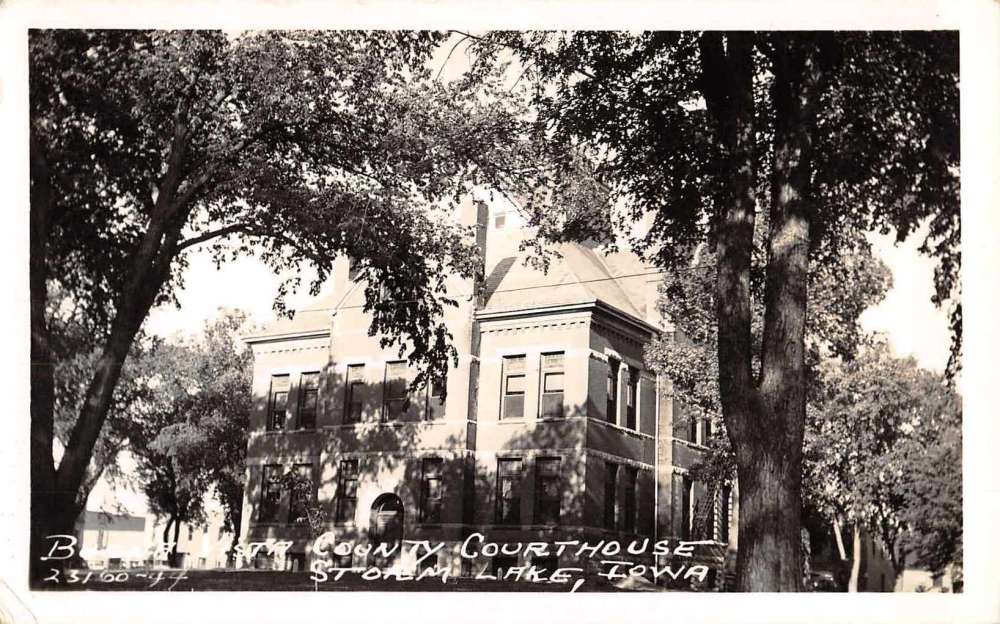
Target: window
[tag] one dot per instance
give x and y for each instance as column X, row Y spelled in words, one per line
column 263, row 560
column 699, row 430
column 355, row 396
column 500, row 220
column 435, row 400
column 610, row 504
column 629, row 508
column 687, row 508
column 552, row 384
column 308, row 400
column 509, row 491
column 711, row 521
column 102, row 539
column 725, row 514
column 513, row 387
column 295, row 562
column 347, row 490
column 277, row 403
column 301, row 493
column 473, row 390
column 190, row 533
column 630, row 398
column 270, row 493
column 547, row 492
column 612, row 412
column 430, row 495
column 396, row 400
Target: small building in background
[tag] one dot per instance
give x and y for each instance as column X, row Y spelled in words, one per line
column 111, row 541
column 916, row 578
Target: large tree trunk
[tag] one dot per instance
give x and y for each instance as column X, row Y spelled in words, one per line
column 51, row 508
column 765, row 420
column 769, row 555
column 55, row 492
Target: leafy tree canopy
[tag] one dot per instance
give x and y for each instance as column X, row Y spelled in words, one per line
column 883, row 449
column 633, row 106
column 190, row 439
column 297, row 147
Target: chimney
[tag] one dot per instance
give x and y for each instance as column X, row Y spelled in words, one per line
column 474, row 212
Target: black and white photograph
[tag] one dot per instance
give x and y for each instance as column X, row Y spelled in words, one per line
column 419, row 313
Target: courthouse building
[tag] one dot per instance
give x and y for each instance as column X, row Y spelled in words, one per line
column 551, row 427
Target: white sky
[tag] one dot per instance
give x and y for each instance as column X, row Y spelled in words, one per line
column 913, row 324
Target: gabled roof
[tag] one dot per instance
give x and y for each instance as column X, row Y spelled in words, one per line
column 579, row 274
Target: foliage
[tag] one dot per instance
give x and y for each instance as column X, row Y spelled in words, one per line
column 191, row 439
column 301, row 146
column 932, row 502
column 310, row 511
column 839, row 293
column 884, row 155
column 705, row 136
column 875, row 422
column 297, row 147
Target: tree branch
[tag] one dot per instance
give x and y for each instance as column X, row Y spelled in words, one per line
column 450, row 52
column 209, row 235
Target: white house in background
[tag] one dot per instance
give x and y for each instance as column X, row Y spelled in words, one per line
column 108, row 540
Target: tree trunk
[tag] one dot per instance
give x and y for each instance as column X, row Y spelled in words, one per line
column 166, row 530
column 769, row 556
column 46, row 498
column 55, row 492
column 853, row 584
column 840, row 540
column 776, row 456
column 174, row 562
column 765, row 420
column 236, row 521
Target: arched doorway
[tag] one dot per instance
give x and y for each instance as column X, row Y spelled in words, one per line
column 386, row 528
